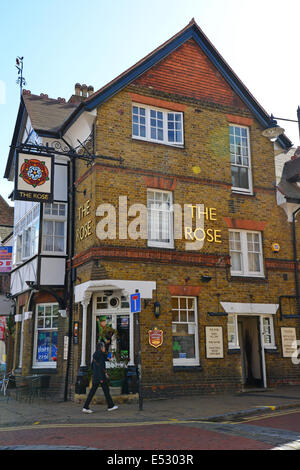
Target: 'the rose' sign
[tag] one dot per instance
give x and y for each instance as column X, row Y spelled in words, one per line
column 34, row 177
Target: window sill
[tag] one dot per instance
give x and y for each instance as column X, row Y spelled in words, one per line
column 238, row 277
column 162, row 247
column 271, row 350
column 176, row 146
column 242, row 193
column 52, row 253
column 47, row 368
column 234, row 351
column 187, row 368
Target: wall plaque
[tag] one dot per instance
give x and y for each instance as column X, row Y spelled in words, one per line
column 288, row 337
column 156, row 337
column 214, row 342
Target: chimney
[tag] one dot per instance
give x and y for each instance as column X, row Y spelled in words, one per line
column 81, row 93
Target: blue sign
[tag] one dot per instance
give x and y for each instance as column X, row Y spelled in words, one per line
column 135, row 303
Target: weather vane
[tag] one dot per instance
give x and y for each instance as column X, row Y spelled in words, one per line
column 21, row 80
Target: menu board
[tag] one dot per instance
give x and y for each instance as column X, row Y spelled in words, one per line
column 214, row 342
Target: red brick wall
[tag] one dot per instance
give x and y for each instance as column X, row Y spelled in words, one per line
column 188, row 72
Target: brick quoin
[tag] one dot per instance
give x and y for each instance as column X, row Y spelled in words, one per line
column 189, row 65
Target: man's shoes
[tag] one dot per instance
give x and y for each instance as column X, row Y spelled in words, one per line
column 87, row 410
column 115, row 407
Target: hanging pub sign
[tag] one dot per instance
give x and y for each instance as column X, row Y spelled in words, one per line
column 34, row 177
column 156, row 337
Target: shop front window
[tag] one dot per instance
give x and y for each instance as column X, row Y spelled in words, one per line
column 185, row 331
column 46, row 331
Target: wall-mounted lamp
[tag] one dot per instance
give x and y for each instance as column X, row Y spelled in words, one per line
column 156, row 309
column 31, row 284
column 273, row 131
column 205, row 278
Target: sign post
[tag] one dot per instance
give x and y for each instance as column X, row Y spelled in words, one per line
column 135, row 307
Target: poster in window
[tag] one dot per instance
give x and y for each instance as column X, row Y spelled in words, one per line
column 47, row 346
column 34, row 177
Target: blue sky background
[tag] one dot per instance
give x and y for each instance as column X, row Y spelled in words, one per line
column 93, row 41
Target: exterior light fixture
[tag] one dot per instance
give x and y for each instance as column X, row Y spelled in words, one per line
column 32, row 284
column 273, row 131
column 157, row 309
column 205, row 278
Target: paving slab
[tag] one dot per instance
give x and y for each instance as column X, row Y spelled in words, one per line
column 191, row 408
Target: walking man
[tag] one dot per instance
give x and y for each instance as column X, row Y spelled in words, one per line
column 99, row 378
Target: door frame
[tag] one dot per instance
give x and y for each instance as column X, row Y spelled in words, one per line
column 112, row 311
column 260, row 333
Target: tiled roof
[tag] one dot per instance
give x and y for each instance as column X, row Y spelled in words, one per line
column 46, row 114
column 6, row 213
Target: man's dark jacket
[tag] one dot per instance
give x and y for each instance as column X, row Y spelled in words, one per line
column 98, row 366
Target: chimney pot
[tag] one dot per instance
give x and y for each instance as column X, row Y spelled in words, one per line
column 77, row 89
column 90, row 90
column 84, row 90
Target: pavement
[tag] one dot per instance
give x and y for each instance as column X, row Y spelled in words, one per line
column 225, row 407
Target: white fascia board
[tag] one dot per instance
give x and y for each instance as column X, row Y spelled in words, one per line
column 249, row 308
column 81, row 128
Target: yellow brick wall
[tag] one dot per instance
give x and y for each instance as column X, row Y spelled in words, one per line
column 206, row 146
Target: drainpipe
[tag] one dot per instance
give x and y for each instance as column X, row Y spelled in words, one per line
column 69, row 278
column 296, row 260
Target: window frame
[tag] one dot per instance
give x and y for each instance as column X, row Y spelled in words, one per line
column 35, row 363
column 235, row 343
column 50, row 217
column 245, row 272
column 165, row 122
column 158, row 243
column 186, row 362
column 271, row 344
column 238, row 189
column 26, row 236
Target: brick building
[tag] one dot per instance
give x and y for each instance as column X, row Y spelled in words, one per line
column 190, row 134
column 190, row 220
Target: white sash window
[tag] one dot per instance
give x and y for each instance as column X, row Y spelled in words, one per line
column 160, row 219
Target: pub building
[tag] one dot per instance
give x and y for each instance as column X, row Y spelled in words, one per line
column 187, row 225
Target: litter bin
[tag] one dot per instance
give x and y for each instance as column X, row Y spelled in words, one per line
column 81, row 383
column 131, row 380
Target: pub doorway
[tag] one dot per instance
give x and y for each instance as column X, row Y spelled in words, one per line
column 112, row 316
column 253, row 373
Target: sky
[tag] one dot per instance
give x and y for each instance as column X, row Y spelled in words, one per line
column 92, row 42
